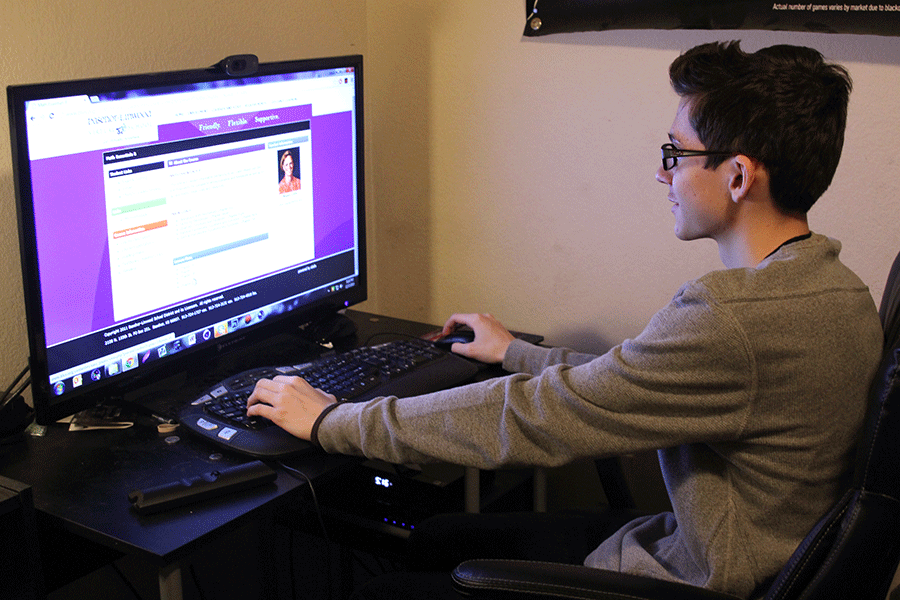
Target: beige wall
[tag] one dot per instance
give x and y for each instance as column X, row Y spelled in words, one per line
column 506, row 175
column 517, row 175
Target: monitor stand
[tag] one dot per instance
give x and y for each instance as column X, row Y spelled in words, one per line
column 336, row 329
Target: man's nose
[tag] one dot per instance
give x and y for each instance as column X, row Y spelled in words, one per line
column 663, row 176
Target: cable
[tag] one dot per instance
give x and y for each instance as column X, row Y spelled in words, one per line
column 7, row 396
column 22, row 387
column 196, row 581
column 537, row 24
column 125, row 580
column 312, row 491
column 15, row 381
column 318, row 511
column 16, row 393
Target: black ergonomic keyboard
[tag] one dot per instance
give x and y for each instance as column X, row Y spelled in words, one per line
column 399, row 368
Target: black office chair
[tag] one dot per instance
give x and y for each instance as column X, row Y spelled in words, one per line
column 852, row 552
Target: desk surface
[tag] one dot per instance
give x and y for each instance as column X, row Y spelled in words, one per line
column 81, row 480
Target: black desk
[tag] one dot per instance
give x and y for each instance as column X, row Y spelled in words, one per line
column 20, row 572
column 80, row 480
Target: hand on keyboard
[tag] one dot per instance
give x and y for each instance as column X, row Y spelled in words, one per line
column 400, row 368
column 290, row 402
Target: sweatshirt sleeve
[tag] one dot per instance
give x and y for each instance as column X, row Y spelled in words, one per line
column 688, row 376
column 522, row 357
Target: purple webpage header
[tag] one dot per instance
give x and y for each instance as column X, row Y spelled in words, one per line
column 70, row 214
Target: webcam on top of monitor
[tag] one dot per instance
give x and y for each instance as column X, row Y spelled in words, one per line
column 238, row 65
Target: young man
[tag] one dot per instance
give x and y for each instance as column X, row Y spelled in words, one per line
column 751, row 382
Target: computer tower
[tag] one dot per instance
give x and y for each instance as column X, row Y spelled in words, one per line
column 393, row 499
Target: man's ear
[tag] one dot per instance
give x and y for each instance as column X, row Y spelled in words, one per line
column 744, row 175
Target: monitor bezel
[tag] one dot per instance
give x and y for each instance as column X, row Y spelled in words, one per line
column 50, row 408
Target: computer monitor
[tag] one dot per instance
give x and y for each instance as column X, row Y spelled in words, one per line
column 168, row 217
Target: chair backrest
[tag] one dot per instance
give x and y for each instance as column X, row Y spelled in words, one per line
column 890, row 305
column 854, row 550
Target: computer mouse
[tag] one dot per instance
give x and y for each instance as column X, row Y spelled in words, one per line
column 463, row 336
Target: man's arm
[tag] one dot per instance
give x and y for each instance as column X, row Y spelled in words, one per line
column 689, row 376
column 295, row 406
column 493, row 343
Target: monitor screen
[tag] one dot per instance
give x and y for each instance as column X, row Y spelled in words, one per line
column 166, row 216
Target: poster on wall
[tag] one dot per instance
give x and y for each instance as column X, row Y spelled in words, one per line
column 544, row 17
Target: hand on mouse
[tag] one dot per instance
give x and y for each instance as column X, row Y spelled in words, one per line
column 491, row 337
column 289, row 402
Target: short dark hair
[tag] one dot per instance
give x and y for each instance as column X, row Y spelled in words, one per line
column 783, row 106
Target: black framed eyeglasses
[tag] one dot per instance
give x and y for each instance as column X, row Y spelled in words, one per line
column 671, row 154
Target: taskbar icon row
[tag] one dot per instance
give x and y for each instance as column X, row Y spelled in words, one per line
column 130, row 360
